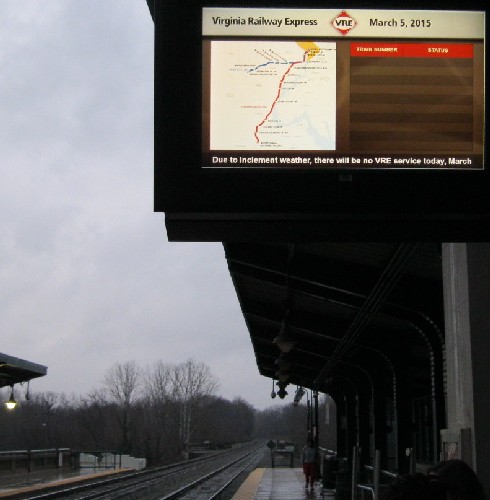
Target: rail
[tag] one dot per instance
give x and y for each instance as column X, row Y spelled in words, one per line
column 392, row 475
column 373, row 488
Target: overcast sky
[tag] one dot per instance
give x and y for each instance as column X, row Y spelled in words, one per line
column 87, row 276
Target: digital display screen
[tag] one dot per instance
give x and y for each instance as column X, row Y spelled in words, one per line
column 342, row 89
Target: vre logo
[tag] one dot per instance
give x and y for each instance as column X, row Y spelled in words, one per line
column 344, row 23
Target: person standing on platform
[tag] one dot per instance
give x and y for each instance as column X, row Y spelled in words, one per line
column 309, row 459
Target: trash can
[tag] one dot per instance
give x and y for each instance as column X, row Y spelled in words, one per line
column 330, row 467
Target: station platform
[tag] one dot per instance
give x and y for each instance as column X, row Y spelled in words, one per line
column 279, row 484
column 15, row 484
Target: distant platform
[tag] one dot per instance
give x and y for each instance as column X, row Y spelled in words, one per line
column 15, row 484
column 279, row 484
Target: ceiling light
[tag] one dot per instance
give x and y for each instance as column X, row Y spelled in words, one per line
column 11, row 403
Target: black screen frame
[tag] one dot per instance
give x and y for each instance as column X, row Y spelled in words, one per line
column 182, row 186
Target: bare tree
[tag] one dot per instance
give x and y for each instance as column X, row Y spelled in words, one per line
column 192, row 384
column 160, row 420
column 222, row 422
column 171, row 404
column 121, row 382
column 92, row 414
column 158, row 382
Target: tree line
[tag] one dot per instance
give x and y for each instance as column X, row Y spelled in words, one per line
column 156, row 413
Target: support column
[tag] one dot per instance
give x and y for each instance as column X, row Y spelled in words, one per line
column 316, row 436
column 380, row 430
column 365, row 409
column 342, row 439
column 466, row 279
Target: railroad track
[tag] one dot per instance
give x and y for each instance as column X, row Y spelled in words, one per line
column 203, row 478
column 213, row 485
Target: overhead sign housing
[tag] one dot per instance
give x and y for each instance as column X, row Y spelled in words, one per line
column 335, row 112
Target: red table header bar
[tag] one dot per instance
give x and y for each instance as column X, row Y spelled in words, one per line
column 439, row 50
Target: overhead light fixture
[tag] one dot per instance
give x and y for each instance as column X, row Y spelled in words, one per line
column 11, row 403
column 282, row 393
column 282, row 389
column 273, row 393
column 300, row 392
column 286, row 339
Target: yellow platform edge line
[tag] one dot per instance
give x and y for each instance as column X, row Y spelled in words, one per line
column 250, row 486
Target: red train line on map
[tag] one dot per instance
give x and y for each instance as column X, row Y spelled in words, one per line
column 256, row 133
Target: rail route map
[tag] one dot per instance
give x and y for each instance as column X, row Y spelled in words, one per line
column 281, row 95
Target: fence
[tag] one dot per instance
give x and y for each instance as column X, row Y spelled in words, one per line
column 375, row 486
column 97, row 461
column 21, row 461
column 346, row 480
column 26, row 461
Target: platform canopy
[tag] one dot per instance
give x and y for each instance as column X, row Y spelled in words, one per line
column 358, row 315
column 15, row 370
